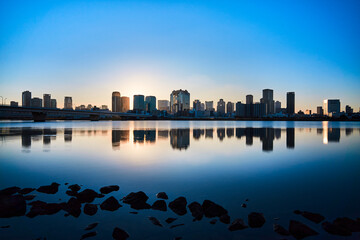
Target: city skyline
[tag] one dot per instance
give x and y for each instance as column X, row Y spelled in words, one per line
column 213, row 50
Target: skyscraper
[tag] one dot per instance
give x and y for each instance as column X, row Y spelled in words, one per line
column 209, row 105
column 240, row 109
column 277, row 107
column 249, row 99
column 197, row 105
column 68, row 103
column 164, row 105
column 150, row 103
column 179, row 101
column 249, row 107
column 26, row 99
column 221, row 107
column 116, row 102
column 268, row 100
column 36, row 102
column 331, row 106
column 47, row 100
column 125, row 104
column 139, row 103
column 229, row 108
column 319, row 110
column 290, row 103
column 53, row 103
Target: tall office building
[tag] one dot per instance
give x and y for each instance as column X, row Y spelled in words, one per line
column 229, row 108
column 150, row 103
column 240, row 109
column 139, row 103
column 277, row 107
column 268, row 100
column 202, row 107
column 47, row 100
column 164, row 105
column 331, row 106
column 209, row 105
column 220, row 107
column 249, row 99
column 290, row 103
column 319, row 110
column 125, row 104
column 116, row 102
column 197, row 105
column 249, row 107
column 53, row 103
column 36, row 102
column 68, row 103
column 349, row 110
column 179, row 101
column 26, row 99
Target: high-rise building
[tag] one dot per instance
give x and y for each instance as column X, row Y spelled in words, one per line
column 116, row 102
column 47, row 100
column 319, row 110
column 290, row 103
column 125, row 104
column 229, row 108
column 268, row 100
column 202, row 107
column 209, row 105
column 68, row 103
column 249, row 107
column 26, row 99
column 240, row 109
column 249, row 99
column 331, row 106
column 53, row 103
column 14, row 104
column 349, row 110
column 179, row 101
column 197, row 105
column 139, row 103
column 221, row 107
column 36, row 102
column 277, row 107
column 164, row 105
column 259, row 110
column 150, row 103
column 308, row 112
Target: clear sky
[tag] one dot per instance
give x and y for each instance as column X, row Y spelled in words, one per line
column 214, row 49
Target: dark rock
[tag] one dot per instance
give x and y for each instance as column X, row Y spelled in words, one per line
column 74, row 187
column 88, row 235
column 73, row 207
column 177, row 225
column 246, row 200
column 43, row 208
column 212, row 209
column 162, row 195
column 155, row 221
column 90, row 209
column 109, row 189
column 9, row 191
column 177, row 238
column 314, row 217
column 159, row 205
column 243, row 205
column 12, row 206
column 196, row 210
column 91, row 226
column 237, row 224
column 225, row 219
column 88, row 195
column 300, row 230
column 335, row 229
column 71, row 193
column 110, row 204
column 256, row 220
column 29, row 197
column 280, row 230
column 297, row 212
column 213, row 221
column 137, row 200
column 26, row 190
column 133, row 212
column 348, row 223
column 170, row 220
column 119, row 234
column 50, row 189
column 66, row 183
column 7, row 226
column 178, row 206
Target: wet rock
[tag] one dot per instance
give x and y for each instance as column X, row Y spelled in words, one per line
column 50, row 189
column 6, row 226
column 170, row 220
column 137, row 200
column 300, row 230
column 9, row 191
column 109, row 189
column 133, row 212
column 314, row 217
column 162, row 195
column 348, row 223
column 213, row 221
column 280, row 230
column 178, row 206
column 155, row 221
column 110, row 204
column 335, row 229
column 297, row 212
column 43, row 208
column 88, row 195
column 177, row 238
column 71, row 193
column 256, row 220
column 12, row 206
column 177, row 225
column 243, row 205
column 66, row 183
column 90, row 209
column 88, row 235
column 225, row 219
column 29, row 197
column 26, row 190
column 159, row 205
column 237, row 224
column 73, row 207
column 196, row 211
column 212, row 209
column 74, row 187
column 119, row 234
column 91, row 226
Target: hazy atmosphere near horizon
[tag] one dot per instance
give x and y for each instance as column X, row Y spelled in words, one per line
column 214, row 49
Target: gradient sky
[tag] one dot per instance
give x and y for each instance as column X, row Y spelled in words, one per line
column 214, row 49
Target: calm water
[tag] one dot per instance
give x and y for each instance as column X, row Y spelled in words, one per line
column 278, row 166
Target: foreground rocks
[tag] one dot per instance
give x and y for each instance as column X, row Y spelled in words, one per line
column 12, row 205
column 109, row 189
column 300, row 230
column 162, row 195
column 137, row 200
column 90, row 209
column 159, row 205
column 119, row 234
column 314, row 217
column 50, row 189
column 256, row 220
column 110, row 204
column 280, row 230
column 88, row 196
column 212, row 209
column 196, row 211
column 342, row 226
column 155, row 221
column 91, row 226
column 178, row 206
column 237, row 224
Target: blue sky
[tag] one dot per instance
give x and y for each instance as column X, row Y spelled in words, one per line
column 214, row 49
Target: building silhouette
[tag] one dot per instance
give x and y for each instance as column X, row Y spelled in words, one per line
column 47, row 101
column 197, row 105
column 331, row 106
column 53, row 103
column 68, row 103
column 14, row 104
column 209, row 106
column 179, row 101
column 164, row 105
column 229, row 108
column 36, row 102
column 125, row 104
column 319, row 110
column 26, row 99
column 349, row 110
column 290, row 103
column 268, row 100
column 277, row 107
column 116, row 102
column 240, row 109
column 150, row 103
column 221, row 107
column 290, row 137
column 139, row 103
column 249, row 107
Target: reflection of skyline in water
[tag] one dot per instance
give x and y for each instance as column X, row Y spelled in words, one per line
column 179, row 137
